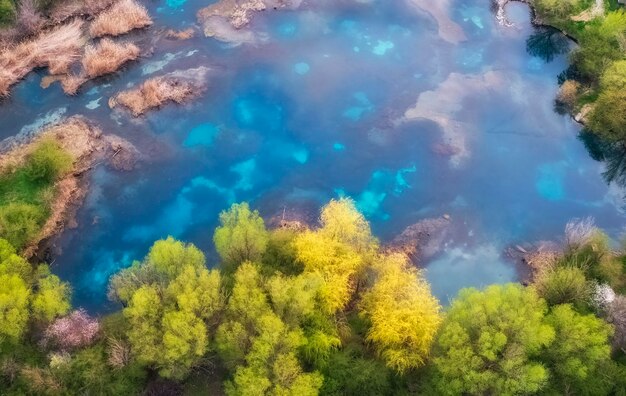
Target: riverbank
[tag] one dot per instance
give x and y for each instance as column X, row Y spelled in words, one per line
column 67, row 42
column 88, row 147
column 592, row 87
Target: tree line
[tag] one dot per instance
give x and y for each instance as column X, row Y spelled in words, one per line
column 308, row 311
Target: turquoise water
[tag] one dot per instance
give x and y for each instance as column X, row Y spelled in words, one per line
column 342, row 98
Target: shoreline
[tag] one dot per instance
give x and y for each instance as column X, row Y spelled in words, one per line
column 89, row 147
column 501, row 16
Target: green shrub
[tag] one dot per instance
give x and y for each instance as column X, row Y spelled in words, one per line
column 608, row 117
column 280, row 255
column 26, row 192
column 349, row 373
column 7, row 12
column 48, row 162
column 563, row 285
column 20, row 223
column 89, row 373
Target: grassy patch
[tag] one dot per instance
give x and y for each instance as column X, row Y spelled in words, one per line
column 7, row 12
column 27, row 190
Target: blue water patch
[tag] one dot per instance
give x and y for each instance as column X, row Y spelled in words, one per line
column 355, row 113
column 175, row 4
column 287, row 29
column 550, row 182
column 471, row 58
column 475, row 15
column 258, row 112
column 401, row 183
column 245, row 170
column 301, row 68
column 173, row 220
column 382, row 47
column 369, row 202
column 201, row 135
column 339, row 146
column 349, row 27
column 301, row 155
column 203, row 182
column 94, row 104
column 535, row 64
column 97, row 278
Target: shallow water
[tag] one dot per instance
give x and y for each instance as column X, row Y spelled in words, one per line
column 322, row 108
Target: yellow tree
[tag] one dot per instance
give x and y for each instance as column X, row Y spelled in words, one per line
column 336, row 252
column 403, row 313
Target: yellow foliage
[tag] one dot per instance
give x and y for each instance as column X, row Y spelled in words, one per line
column 341, row 221
column 403, row 313
column 334, row 261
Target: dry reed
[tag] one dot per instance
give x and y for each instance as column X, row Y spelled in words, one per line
column 121, row 18
column 154, row 93
column 56, row 48
column 107, row 57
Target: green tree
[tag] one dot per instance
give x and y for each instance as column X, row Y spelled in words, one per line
column 490, row 342
column 52, row 296
column 580, row 349
column 241, row 235
column 601, row 44
column 171, row 303
column 260, row 346
column 20, row 222
column 608, row 116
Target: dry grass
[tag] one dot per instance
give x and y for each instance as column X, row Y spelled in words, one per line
column 29, row 19
column 56, row 48
column 107, row 57
column 154, row 93
column 180, row 34
column 63, row 10
column 71, row 83
column 121, row 18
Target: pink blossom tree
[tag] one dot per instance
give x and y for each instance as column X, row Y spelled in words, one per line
column 75, row 330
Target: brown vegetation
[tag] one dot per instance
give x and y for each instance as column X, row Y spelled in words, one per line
column 58, row 42
column 121, row 18
column 237, row 12
column 180, row 34
column 56, row 48
column 568, row 93
column 29, row 19
column 107, row 57
column 176, row 87
column 64, row 10
column 154, row 93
